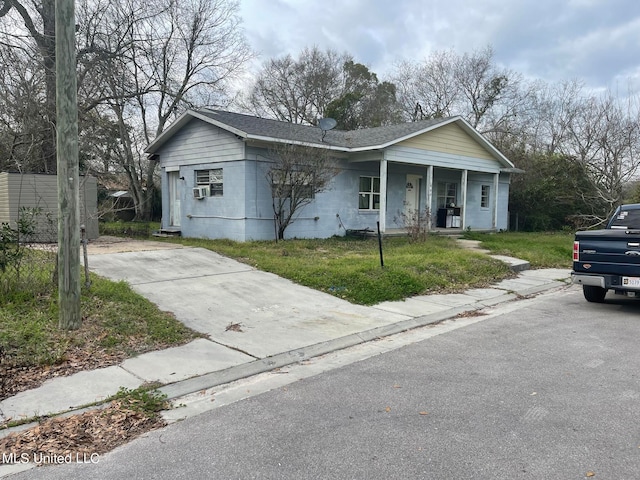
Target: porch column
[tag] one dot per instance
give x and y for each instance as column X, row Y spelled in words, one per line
column 496, row 179
column 429, row 199
column 383, row 194
column 465, row 175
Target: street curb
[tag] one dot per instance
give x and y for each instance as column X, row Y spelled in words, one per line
column 231, row 374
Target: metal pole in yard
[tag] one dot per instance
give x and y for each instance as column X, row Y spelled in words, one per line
column 380, row 246
column 87, row 277
column 68, row 168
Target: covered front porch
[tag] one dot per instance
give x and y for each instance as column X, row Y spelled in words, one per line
column 444, row 200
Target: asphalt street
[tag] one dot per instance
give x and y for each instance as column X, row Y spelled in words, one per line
column 546, row 387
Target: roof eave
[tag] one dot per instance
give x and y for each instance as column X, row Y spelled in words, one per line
column 220, row 124
column 189, row 114
column 326, row 146
column 512, row 170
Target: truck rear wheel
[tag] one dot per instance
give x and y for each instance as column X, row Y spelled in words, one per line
column 594, row 294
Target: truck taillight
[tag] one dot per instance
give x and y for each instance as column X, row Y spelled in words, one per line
column 576, row 251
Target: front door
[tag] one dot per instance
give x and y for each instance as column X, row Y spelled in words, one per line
column 174, row 199
column 412, row 196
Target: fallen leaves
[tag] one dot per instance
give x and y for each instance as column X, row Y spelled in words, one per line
column 471, row 313
column 17, row 379
column 81, row 436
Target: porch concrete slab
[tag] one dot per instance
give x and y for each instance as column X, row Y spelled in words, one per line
column 179, row 363
column 66, row 393
column 412, row 307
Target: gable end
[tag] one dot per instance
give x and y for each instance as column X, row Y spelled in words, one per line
column 449, row 139
column 200, row 142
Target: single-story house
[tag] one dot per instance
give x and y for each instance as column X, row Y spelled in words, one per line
column 40, row 192
column 443, row 167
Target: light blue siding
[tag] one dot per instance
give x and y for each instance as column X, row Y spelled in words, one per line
column 244, row 211
column 199, row 142
column 417, row 156
column 212, row 217
column 503, row 203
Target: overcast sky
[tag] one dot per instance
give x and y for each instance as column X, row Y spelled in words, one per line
column 597, row 41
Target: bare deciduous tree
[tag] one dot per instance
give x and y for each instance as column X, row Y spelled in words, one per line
column 21, row 104
column 469, row 85
column 319, row 84
column 598, row 134
column 297, row 90
column 298, row 173
column 178, row 54
column 30, row 29
column 604, row 135
column 429, row 89
column 139, row 65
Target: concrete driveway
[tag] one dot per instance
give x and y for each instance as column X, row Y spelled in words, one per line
column 254, row 312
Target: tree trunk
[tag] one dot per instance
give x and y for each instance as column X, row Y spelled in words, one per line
column 47, row 47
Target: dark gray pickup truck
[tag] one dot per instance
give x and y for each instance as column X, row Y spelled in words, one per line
column 609, row 259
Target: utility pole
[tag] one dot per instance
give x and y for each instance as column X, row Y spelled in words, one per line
column 68, row 168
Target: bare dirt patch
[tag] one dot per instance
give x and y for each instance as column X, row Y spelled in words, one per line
column 109, row 244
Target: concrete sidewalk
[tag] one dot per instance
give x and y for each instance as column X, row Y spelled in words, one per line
column 256, row 321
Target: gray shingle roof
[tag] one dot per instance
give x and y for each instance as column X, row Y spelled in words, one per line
column 367, row 137
column 250, row 127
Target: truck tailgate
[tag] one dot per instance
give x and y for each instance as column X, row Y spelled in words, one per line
column 607, row 251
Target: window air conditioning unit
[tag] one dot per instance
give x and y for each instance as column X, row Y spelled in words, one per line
column 200, row 192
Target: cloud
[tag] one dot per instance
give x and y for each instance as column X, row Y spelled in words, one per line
column 592, row 40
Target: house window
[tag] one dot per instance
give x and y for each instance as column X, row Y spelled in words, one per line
column 369, row 193
column 212, row 179
column 484, row 196
column 447, row 194
column 296, row 185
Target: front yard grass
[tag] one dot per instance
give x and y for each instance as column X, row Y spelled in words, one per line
column 350, row 268
column 117, row 323
column 541, row 249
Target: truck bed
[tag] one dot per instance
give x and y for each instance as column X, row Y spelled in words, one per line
column 609, row 259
